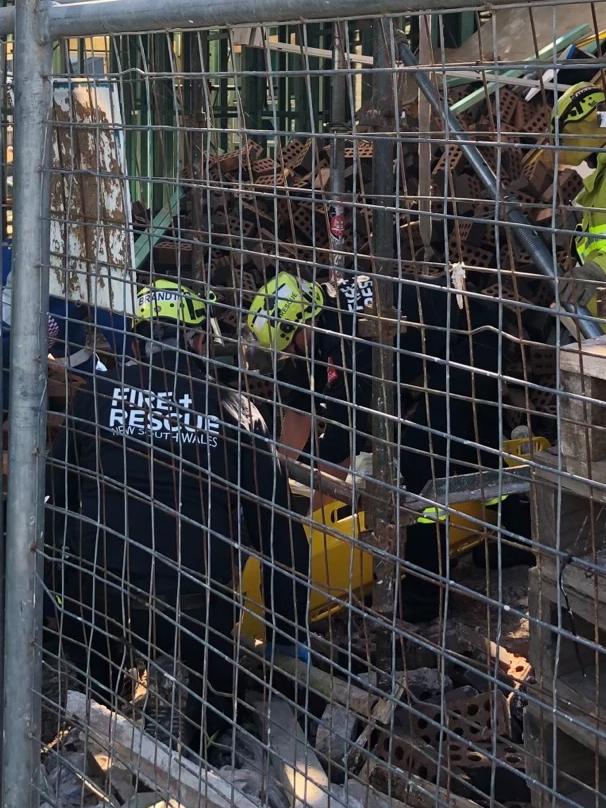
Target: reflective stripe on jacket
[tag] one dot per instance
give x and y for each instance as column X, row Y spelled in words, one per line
column 591, row 245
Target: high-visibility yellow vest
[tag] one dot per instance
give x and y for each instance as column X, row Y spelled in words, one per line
column 433, row 513
column 591, row 245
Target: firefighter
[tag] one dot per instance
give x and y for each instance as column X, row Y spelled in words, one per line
column 325, row 373
column 579, row 130
column 157, row 481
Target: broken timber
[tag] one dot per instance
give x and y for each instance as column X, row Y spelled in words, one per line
column 300, row 771
column 151, row 760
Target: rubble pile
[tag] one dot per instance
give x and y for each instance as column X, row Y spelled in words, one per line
column 446, row 725
column 244, row 212
column 431, row 732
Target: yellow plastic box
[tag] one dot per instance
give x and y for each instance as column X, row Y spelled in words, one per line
column 339, row 568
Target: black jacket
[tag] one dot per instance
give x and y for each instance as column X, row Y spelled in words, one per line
column 336, row 383
column 152, row 473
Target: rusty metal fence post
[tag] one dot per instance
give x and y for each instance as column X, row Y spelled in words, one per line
column 385, row 508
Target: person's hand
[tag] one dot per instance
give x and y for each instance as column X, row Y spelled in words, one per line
column 362, row 468
column 581, row 283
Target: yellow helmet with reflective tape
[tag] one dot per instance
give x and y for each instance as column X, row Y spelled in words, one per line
column 172, row 303
column 576, row 117
column 281, row 307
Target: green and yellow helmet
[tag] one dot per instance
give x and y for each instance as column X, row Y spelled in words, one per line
column 577, row 120
column 171, row 303
column 280, row 307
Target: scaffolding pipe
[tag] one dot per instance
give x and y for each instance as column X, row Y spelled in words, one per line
column 523, row 231
column 27, row 409
column 122, row 16
column 338, row 98
column 383, row 513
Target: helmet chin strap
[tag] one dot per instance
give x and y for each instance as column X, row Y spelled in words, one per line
column 163, row 337
column 296, row 348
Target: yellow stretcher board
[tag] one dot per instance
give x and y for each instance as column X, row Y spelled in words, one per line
column 340, row 568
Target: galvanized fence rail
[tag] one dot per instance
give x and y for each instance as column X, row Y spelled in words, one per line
column 305, row 461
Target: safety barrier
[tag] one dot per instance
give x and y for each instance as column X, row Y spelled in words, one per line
column 304, row 462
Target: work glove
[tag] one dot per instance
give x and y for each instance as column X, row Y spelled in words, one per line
column 362, row 467
column 581, row 283
column 293, row 651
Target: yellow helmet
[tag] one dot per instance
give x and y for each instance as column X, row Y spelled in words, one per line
column 172, row 303
column 281, row 307
column 578, row 122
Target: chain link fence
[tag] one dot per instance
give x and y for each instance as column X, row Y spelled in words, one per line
column 304, row 449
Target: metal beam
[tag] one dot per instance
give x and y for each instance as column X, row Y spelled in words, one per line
column 113, row 16
column 119, row 16
column 382, row 517
column 27, row 407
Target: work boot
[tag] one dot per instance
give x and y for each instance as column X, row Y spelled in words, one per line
column 515, row 518
column 426, row 548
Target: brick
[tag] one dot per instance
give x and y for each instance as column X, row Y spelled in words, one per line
column 475, row 718
column 516, row 260
column 538, row 124
column 408, row 754
column 469, row 186
column 448, row 161
column 538, row 177
column 524, row 113
column 264, row 166
column 363, row 151
column 471, row 256
column 508, row 104
column 230, row 162
column 505, row 292
column 513, row 161
column 570, row 184
column 303, row 217
column 460, row 232
column 467, row 758
column 295, row 153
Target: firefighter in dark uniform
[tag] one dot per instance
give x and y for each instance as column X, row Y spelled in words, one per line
column 156, row 483
column 327, row 372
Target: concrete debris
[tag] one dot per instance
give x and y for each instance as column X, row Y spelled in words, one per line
column 64, row 780
column 427, row 684
column 336, row 731
column 263, row 211
column 429, row 724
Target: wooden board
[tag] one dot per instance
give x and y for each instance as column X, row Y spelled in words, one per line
column 301, row 773
column 194, row 786
column 551, row 468
column 587, row 358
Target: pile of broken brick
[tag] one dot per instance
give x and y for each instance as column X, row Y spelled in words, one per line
column 244, row 212
column 451, row 733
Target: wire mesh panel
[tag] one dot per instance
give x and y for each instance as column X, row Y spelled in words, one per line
column 325, row 483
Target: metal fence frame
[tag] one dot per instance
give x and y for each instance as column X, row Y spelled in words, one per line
column 35, row 24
